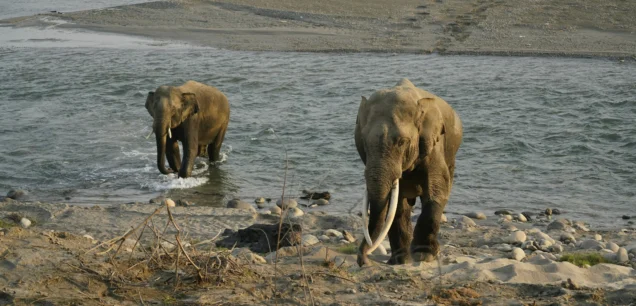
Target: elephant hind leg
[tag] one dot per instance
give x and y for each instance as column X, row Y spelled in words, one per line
column 202, row 151
column 214, row 148
column 400, row 233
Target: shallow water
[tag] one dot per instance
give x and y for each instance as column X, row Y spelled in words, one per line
column 10, row 9
column 538, row 132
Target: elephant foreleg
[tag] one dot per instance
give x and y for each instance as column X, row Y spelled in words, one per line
column 190, row 149
column 425, row 246
column 400, row 233
column 376, row 222
column 173, row 155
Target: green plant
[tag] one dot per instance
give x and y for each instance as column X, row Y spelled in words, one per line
column 581, row 259
column 348, row 249
column 4, row 224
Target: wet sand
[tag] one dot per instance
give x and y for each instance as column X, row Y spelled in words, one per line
column 517, row 27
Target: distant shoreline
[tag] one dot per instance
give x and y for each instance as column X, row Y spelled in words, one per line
column 507, row 29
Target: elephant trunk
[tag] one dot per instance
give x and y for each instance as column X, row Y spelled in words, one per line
column 380, row 183
column 161, row 129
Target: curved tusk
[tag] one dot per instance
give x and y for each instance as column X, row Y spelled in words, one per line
column 390, row 215
column 169, row 133
column 150, row 134
column 365, row 217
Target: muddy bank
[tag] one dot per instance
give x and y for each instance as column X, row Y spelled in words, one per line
column 147, row 254
column 553, row 28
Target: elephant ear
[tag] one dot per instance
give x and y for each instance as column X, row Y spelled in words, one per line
column 190, row 105
column 431, row 126
column 149, row 99
column 362, row 110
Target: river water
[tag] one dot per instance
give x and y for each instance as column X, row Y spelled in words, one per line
column 538, row 132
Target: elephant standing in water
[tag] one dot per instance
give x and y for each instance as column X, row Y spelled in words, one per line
column 407, row 138
column 193, row 113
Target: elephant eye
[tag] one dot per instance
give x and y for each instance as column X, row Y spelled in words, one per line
column 402, row 141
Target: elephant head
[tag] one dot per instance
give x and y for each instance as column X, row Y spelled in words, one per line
column 400, row 133
column 169, row 108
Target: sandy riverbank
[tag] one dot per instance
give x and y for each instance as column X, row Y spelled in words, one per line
column 518, row 27
column 65, row 256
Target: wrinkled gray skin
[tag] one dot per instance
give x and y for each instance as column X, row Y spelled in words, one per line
column 197, row 115
column 407, row 133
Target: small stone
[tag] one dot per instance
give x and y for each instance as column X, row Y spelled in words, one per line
column 544, row 236
column 25, row 223
column 592, row 244
column 275, row 210
column 503, row 212
column 528, row 215
column 333, row 233
column 517, row 254
column 622, row 256
column 548, row 211
column 598, row 237
column 348, row 237
column 321, row 202
column 183, row 203
column 444, row 219
column 237, row 203
column 558, row 225
column 485, row 246
column 351, row 291
column 249, row 256
column 581, row 227
column 517, row 237
column 567, row 238
column 467, row 221
column 505, row 218
column 504, row 247
column 288, row 203
column 260, row 205
column 476, row 215
column 544, row 244
column 89, row 237
column 168, row 202
column 309, row 240
column 259, row 200
column 611, row 257
column 521, row 218
column 295, row 212
column 509, row 227
column 16, row 194
column 612, row 246
column 626, row 217
column 324, row 238
column 557, row 248
column 570, row 284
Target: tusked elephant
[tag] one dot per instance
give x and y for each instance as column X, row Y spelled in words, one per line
column 407, row 138
column 193, row 113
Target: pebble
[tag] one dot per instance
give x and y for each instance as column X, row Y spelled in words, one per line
column 351, row 291
column 89, row 237
column 598, row 237
column 567, row 238
column 517, row 254
column 184, row 203
column 509, row 227
column 288, row 203
column 550, row 256
column 467, row 221
column 259, row 200
column 570, row 284
column 238, row 204
column 321, row 202
column 25, row 223
column 558, row 225
column 592, row 244
column 521, row 218
column 503, row 212
column 530, row 245
column 544, row 244
column 324, row 238
column 275, row 210
column 581, row 227
column 557, row 248
column 626, row 217
column 168, row 202
column 476, row 215
column 348, row 236
column 504, row 247
column 246, row 254
column 622, row 256
column 505, row 218
column 611, row 257
column 544, row 236
column 517, row 237
column 556, row 211
column 309, row 240
column 548, row 211
column 295, row 212
column 333, row 233
column 16, row 194
column 612, row 246
column 528, row 215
